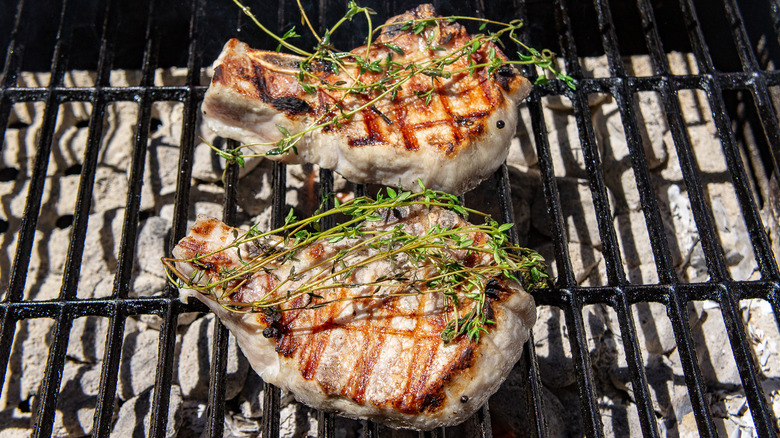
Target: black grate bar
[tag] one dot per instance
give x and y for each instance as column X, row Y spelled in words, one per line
column 167, row 342
column 566, row 39
column 652, row 214
column 50, row 385
column 104, row 406
column 611, row 248
column 609, row 38
column 624, row 99
column 739, row 36
column 591, row 417
column 111, row 359
column 105, row 307
column 550, row 190
column 763, row 418
column 187, row 146
column 9, row 75
column 714, row 259
column 769, row 119
column 10, row 72
column 38, row 178
column 702, row 213
column 758, row 237
column 137, row 162
column 89, row 162
column 644, row 403
column 696, row 37
column 549, row 184
column 529, row 365
column 594, row 168
column 325, row 424
column 162, row 380
column 325, row 420
column 7, row 332
column 104, row 403
column 727, row 81
column 652, row 38
column 13, row 56
column 271, row 394
column 678, row 316
column 219, row 347
column 108, row 307
column 759, row 89
column 612, row 259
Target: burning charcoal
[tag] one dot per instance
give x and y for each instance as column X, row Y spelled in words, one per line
column 654, row 329
column 154, row 232
column 139, row 362
column 251, row 397
column 522, row 153
column 712, row 346
column 35, row 337
column 564, row 139
column 195, row 362
column 653, row 126
column 135, row 415
column 553, row 350
column 79, row 388
column 88, row 339
column 578, row 211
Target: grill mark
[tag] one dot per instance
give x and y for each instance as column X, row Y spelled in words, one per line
column 363, row 370
column 410, row 141
column 403, row 402
column 320, row 339
column 191, row 247
column 455, row 145
column 320, row 336
column 492, row 96
column 204, row 228
column 372, row 128
column 289, row 105
column 411, row 400
column 315, row 251
column 370, row 360
column 218, row 75
column 289, row 342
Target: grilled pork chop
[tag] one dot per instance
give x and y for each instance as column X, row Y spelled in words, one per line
column 380, row 358
column 452, row 141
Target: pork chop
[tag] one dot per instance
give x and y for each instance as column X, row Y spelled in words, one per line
column 368, row 353
column 451, row 138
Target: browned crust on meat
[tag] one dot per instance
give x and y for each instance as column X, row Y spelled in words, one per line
column 303, row 335
column 453, row 119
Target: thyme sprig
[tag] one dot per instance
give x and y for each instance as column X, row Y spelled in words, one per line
column 459, row 263
column 386, row 74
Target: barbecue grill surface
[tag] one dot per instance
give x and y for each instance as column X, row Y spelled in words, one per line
column 734, row 43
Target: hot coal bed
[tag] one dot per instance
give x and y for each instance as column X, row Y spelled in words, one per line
column 652, row 190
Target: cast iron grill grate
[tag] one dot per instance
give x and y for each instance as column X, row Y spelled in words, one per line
column 109, row 34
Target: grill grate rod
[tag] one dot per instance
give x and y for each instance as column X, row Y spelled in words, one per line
column 759, row 89
column 49, row 387
column 35, row 191
column 219, row 347
column 167, row 340
column 9, row 76
column 533, row 393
